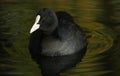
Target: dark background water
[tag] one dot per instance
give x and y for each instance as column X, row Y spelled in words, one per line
column 100, row 19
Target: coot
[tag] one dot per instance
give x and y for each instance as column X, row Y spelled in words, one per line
column 56, row 42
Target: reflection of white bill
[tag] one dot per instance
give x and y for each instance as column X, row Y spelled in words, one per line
column 36, row 25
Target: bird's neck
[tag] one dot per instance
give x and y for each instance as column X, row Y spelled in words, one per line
column 53, row 34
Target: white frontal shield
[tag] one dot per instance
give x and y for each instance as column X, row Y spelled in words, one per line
column 36, row 25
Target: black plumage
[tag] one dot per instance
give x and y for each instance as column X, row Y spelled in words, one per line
column 58, row 44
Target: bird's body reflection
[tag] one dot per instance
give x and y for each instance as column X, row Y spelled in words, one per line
column 52, row 66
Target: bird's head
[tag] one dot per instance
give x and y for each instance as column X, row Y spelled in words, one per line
column 46, row 21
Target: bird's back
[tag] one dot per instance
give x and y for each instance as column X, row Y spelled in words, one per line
column 70, row 39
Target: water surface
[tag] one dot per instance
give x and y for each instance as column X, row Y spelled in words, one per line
column 99, row 19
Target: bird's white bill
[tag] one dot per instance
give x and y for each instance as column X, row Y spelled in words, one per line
column 36, row 25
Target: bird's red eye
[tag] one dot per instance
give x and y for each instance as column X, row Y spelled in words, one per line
column 43, row 19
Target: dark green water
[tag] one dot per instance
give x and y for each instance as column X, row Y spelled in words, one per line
column 98, row 18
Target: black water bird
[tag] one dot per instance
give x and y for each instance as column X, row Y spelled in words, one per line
column 56, row 42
